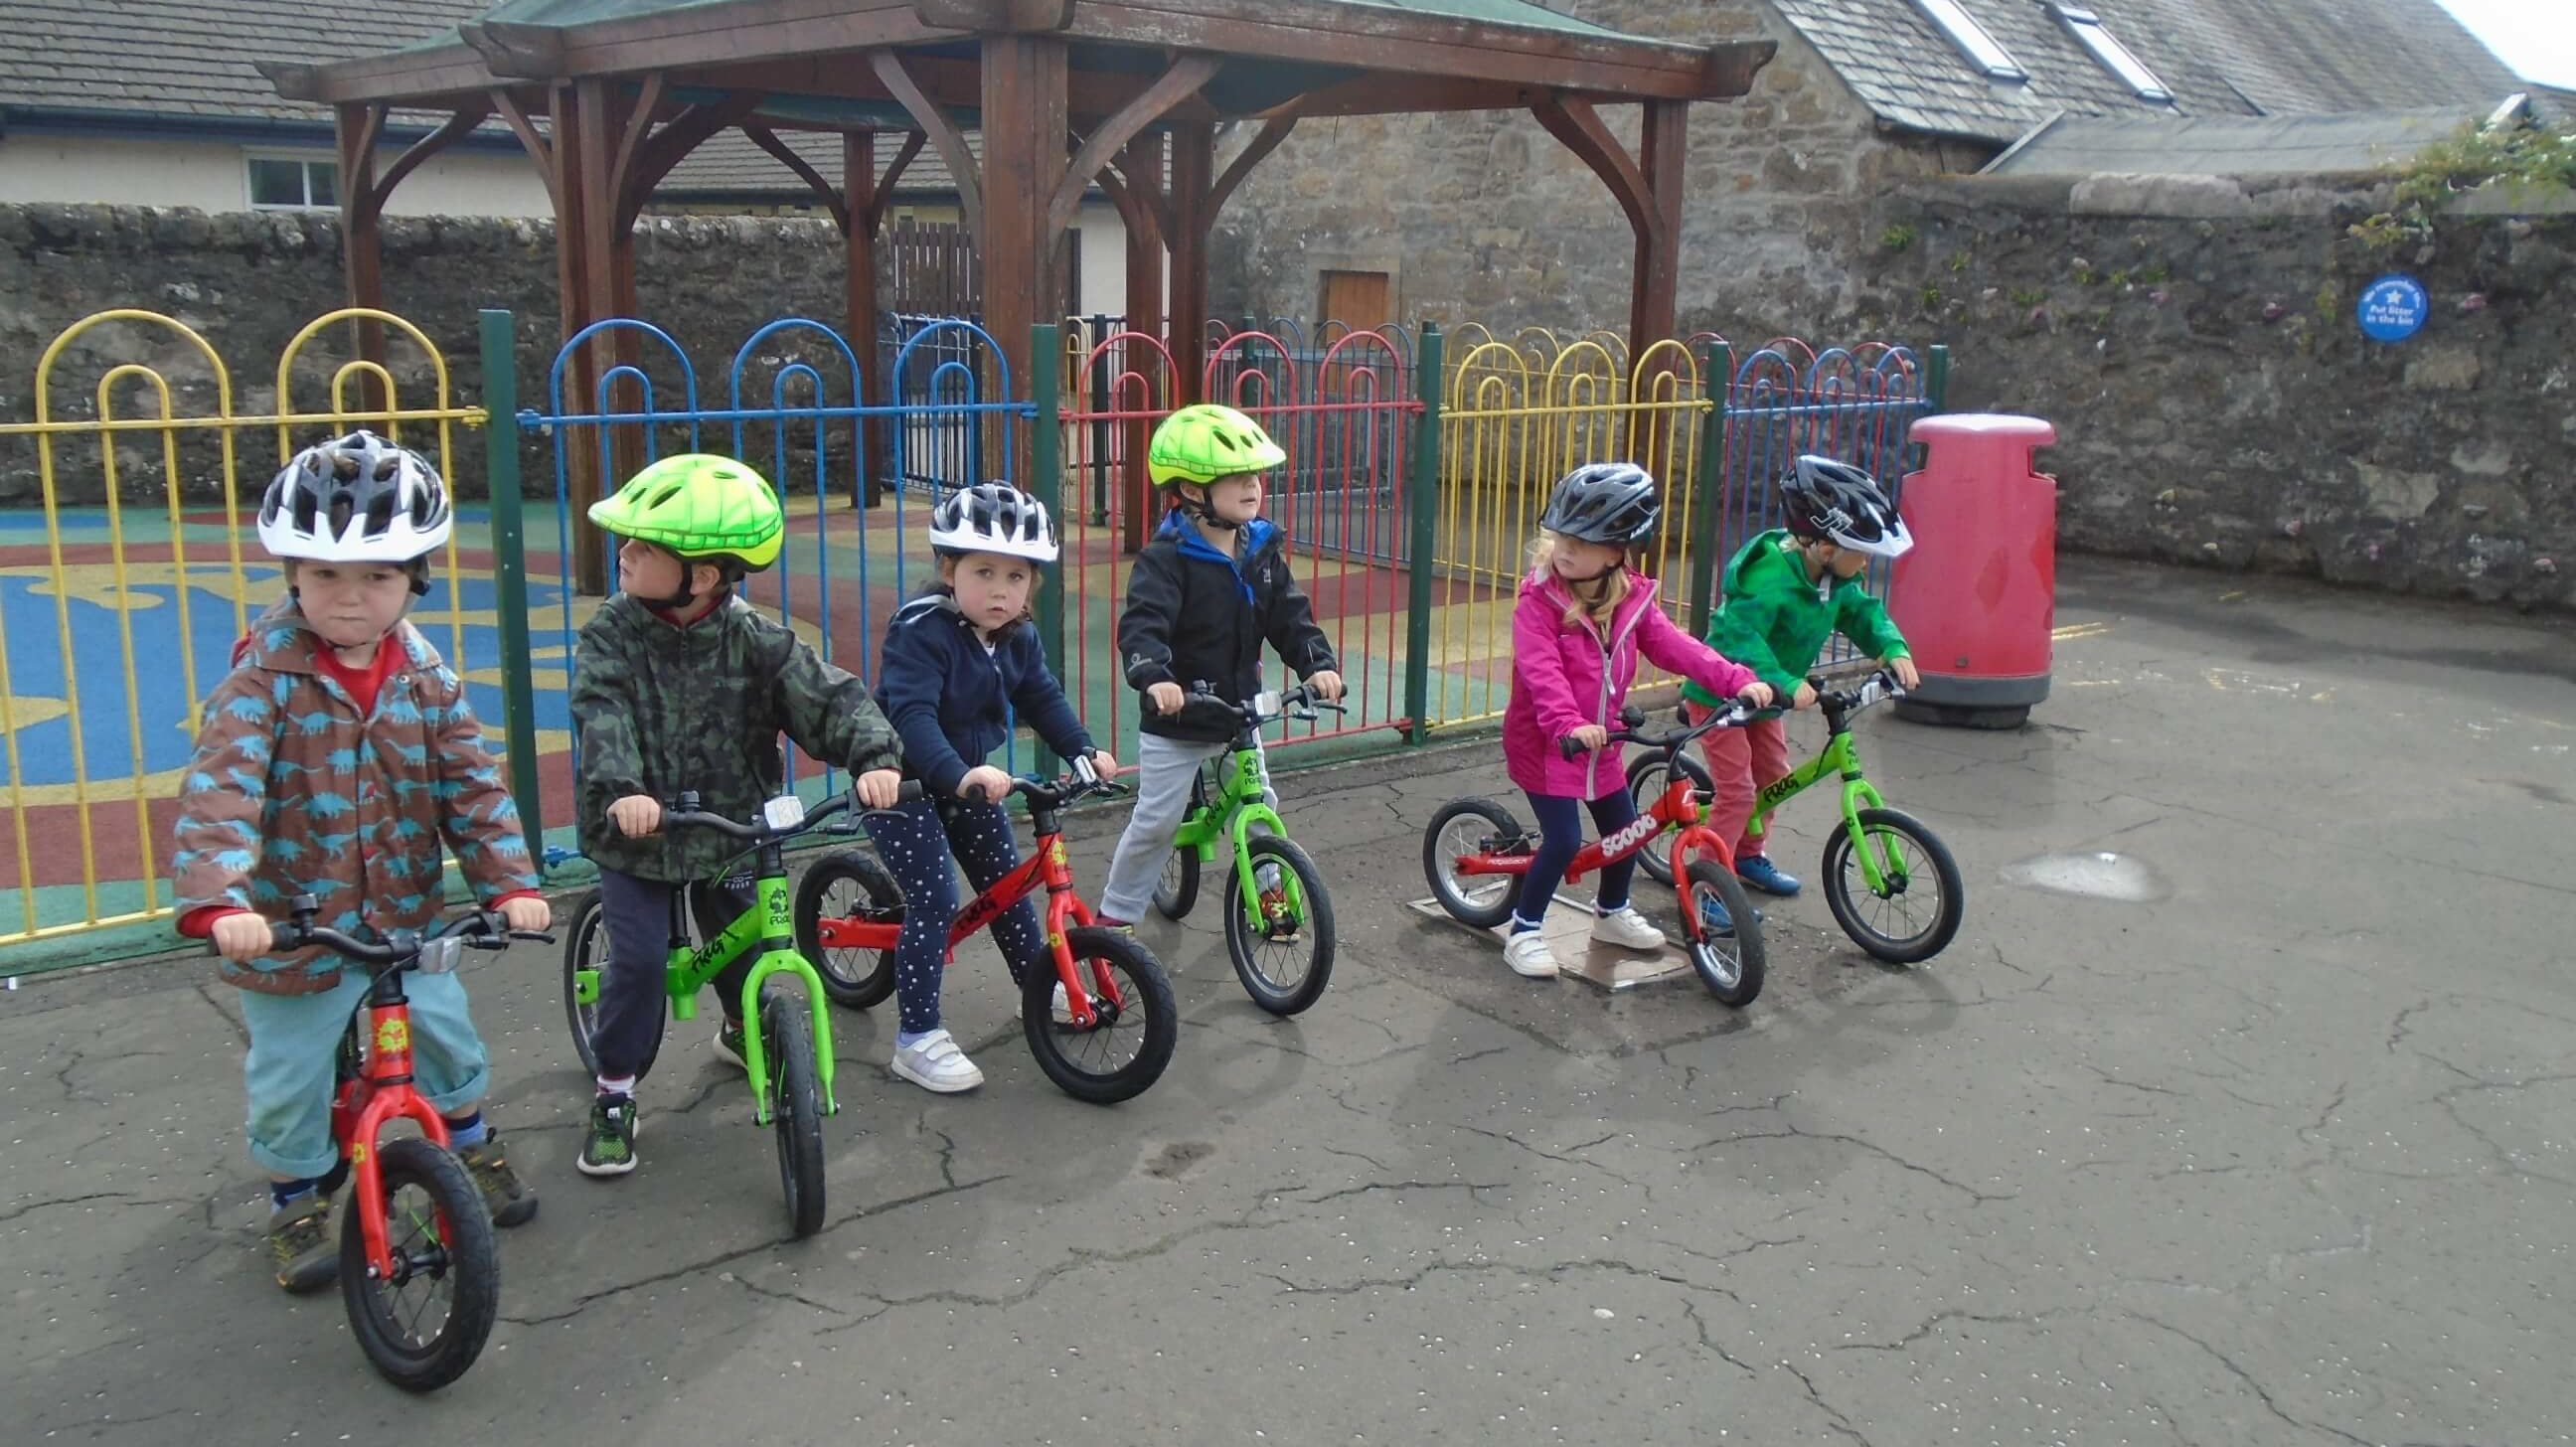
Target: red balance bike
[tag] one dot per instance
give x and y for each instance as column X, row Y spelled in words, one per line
column 1474, row 852
column 419, row 1270
column 1102, row 1023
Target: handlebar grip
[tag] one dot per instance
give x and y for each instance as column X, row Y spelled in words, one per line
column 1569, row 747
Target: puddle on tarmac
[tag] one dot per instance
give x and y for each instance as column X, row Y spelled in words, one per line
column 2090, row 876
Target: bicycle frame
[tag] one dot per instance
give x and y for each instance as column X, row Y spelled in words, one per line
column 1045, row 867
column 1679, row 804
column 380, row 1095
column 1839, row 756
column 769, row 926
column 1242, row 802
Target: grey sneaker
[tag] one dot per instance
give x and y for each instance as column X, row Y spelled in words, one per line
column 511, row 1201
column 299, row 1241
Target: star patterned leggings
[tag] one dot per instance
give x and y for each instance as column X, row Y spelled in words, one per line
column 915, row 841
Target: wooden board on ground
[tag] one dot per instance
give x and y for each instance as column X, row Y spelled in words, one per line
column 1568, row 929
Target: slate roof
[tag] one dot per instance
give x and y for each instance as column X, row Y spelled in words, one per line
column 2301, row 145
column 2219, row 57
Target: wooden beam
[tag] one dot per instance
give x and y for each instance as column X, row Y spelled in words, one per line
column 356, row 127
column 883, row 193
column 1024, row 127
column 685, row 35
column 995, row 17
column 1581, row 129
column 1272, row 132
column 1193, row 167
column 952, row 85
column 539, row 149
column 290, row 79
column 1185, row 77
column 637, row 129
column 864, row 205
column 767, row 140
column 680, row 135
column 896, row 72
column 1141, row 164
column 468, row 115
column 404, row 77
column 1380, row 92
column 530, row 51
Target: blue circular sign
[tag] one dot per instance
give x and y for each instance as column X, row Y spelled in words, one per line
column 2393, row 308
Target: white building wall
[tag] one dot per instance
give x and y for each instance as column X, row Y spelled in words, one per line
column 215, row 175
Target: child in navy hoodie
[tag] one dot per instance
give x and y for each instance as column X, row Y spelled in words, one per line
column 957, row 660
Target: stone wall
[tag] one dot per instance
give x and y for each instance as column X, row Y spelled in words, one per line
column 248, row 281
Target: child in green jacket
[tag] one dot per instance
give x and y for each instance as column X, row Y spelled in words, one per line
column 1786, row 593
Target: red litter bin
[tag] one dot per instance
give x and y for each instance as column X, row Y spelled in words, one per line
column 1977, row 596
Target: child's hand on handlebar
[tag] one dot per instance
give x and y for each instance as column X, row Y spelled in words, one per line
column 636, row 815
column 1166, row 698
column 1326, row 683
column 530, row 913
column 242, row 938
column 1590, row 736
column 1756, row 695
column 1806, row 697
column 879, row 788
column 1103, row 762
column 984, row 784
column 1902, row 670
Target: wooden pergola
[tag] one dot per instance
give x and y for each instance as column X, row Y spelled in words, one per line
column 1067, row 94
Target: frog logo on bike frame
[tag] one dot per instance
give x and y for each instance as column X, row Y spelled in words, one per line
column 392, row 1037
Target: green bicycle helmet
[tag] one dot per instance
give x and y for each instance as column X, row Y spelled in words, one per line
column 1203, row 443
column 702, row 507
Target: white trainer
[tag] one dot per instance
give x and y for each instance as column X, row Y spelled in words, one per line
column 1061, row 1011
column 1528, row 955
column 935, row 1063
column 1628, row 930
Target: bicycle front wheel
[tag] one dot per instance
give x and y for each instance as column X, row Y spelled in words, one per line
column 423, row 1327
column 795, row 1107
column 1281, row 940
column 848, row 886
column 1916, row 910
column 586, row 955
column 1726, row 947
column 1128, row 1044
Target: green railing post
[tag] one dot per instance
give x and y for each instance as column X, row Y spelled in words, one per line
column 510, row 575
column 1421, row 535
column 1046, row 484
column 1936, row 386
column 1717, row 371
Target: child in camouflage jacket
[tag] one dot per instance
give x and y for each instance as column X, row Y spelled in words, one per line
column 680, row 685
column 332, row 762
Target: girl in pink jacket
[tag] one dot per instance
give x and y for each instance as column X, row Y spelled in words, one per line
column 1584, row 618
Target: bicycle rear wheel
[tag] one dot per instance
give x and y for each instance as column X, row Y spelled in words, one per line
column 586, row 949
column 1128, row 1045
column 1473, row 826
column 1285, row 959
column 795, row 1107
column 1179, row 887
column 426, row 1325
column 848, row 886
column 1923, row 894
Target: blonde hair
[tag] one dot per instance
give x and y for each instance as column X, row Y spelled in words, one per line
column 1542, row 555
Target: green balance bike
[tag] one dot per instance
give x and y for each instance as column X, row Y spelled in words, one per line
column 1278, row 916
column 1889, row 880
column 787, row 1043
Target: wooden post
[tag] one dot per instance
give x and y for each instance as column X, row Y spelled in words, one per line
column 1659, row 158
column 1024, row 124
column 357, row 126
column 572, row 289
column 1144, row 169
column 859, row 238
column 1193, row 179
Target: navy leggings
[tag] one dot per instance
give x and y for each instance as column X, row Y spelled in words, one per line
column 915, row 842
column 1560, row 825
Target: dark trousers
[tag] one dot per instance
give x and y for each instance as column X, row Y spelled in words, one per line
column 637, row 914
column 1560, row 824
column 916, row 842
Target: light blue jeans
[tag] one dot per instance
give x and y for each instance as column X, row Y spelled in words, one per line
column 294, row 1040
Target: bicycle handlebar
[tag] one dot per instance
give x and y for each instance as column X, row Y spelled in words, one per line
column 477, row 930
column 1297, row 703
column 685, row 811
column 1735, row 715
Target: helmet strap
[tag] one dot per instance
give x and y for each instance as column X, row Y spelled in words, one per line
column 1203, row 507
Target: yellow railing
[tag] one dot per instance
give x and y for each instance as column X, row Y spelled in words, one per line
column 1516, row 416
column 119, row 877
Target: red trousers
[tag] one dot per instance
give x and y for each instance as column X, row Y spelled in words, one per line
column 1741, row 763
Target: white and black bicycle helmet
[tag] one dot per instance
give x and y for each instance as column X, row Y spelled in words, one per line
column 357, row 499
column 1610, row 503
column 992, row 517
column 1838, row 503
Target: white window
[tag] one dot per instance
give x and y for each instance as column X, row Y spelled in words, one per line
column 2115, row 57
column 1964, row 31
column 289, row 182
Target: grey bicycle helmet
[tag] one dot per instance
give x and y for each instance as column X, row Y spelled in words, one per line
column 1611, row 503
column 1838, row 503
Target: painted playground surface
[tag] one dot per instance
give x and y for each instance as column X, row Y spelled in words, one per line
column 105, row 668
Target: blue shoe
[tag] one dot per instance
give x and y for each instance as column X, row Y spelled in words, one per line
column 1758, row 870
column 1713, row 916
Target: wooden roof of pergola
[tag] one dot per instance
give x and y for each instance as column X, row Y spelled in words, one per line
column 1125, row 94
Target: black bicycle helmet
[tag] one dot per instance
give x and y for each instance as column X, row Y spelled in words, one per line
column 1610, row 503
column 1835, row 502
